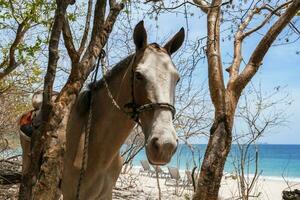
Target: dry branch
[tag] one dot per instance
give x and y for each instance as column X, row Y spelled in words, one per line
column 264, row 45
column 69, row 44
column 86, row 27
column 216, row 82
column 11, row 63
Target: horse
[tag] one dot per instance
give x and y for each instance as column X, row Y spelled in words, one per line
column 143, row 84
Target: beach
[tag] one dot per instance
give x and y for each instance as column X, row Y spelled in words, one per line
column 275, row 161
column 134, row 186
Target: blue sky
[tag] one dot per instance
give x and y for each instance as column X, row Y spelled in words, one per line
column 281, row 66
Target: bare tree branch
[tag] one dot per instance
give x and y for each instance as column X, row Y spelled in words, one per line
column 68, row 38
column 272, row 12
column 264, row 45
column 86, row 28
column 204, row 5
column 240, row 35
column 99, row 17
column 238, row 39
column 216, row 82
column 12, row 63
column 101, row 31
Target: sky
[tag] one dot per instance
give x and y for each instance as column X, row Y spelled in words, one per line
column 281, row 67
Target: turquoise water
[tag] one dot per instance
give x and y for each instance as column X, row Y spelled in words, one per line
column 274, row 160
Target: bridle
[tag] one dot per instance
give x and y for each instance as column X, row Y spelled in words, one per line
column 137, row 109
column 133, row 109
column 134, row 114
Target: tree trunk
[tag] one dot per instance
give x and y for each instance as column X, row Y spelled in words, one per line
column 217, row 149
column 225, row 98
column 51, row 169
column 43, row 179
column 38, row 138
column 214, row 160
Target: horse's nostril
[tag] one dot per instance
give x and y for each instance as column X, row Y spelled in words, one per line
column 162, row 149
column 169, row 147
column 155, row 144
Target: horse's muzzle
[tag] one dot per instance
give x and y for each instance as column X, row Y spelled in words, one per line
column 160, row 151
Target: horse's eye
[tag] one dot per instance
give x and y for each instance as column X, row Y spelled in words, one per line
column 139, row 76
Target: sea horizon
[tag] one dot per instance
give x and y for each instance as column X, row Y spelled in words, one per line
column 225, row 173
column 274, row 162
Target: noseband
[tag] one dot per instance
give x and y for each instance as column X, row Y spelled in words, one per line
column 137, row 109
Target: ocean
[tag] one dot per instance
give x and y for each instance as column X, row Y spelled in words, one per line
column 275, row 160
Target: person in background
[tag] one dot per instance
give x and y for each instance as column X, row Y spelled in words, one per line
column 26, row 123
column 26, row 131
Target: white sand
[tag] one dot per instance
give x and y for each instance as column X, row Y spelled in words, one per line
column 269, row 189
column 138, row 187
column 135, row 186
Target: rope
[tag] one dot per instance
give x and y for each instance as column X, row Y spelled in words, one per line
column 134, row 114
column 132, row 105
column 103, row 65
column 87, row 132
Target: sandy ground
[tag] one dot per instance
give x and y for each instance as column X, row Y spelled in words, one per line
column 135, row 186
column 266, row 188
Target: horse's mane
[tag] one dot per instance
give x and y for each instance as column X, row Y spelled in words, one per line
column 84, row 98
column 111, row 73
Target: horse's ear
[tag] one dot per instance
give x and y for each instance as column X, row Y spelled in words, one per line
column 140, row 35
column 175, row 43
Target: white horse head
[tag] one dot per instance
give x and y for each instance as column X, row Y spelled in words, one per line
column 155, row 79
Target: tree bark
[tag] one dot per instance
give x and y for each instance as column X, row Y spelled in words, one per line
column 217, row 151
column 226, row 99
column 43, row 179
column 37, row 140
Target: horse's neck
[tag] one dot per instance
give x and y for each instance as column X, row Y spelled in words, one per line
column 112, row 126
column 120, row 86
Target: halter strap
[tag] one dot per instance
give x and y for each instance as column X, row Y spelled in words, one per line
column 136, row 109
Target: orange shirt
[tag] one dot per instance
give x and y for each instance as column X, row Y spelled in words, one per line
column 26, row 118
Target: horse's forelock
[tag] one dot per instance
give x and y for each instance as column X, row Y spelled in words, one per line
column 157, row 47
